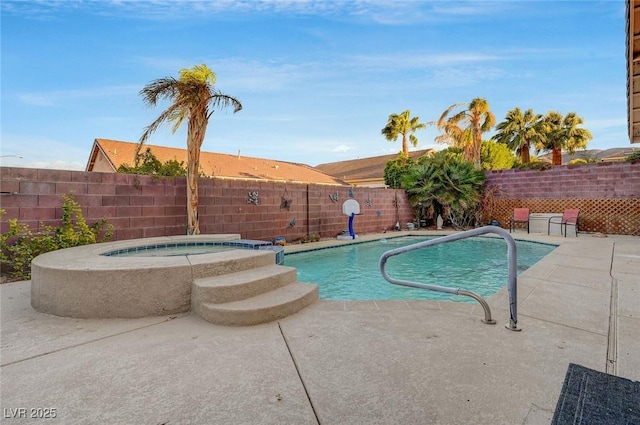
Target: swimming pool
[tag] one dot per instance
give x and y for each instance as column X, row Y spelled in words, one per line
column 351, row 272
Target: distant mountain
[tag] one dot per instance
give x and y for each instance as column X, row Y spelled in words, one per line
column 607, row 155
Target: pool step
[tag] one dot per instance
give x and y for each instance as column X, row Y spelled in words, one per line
column 251, row 296
column 232, row 261
column 243, row 284
column 273, row 305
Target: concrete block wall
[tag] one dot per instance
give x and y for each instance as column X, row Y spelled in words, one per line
column 293, row 210
column 145, row 206
column 603, row 180
column 608, row 195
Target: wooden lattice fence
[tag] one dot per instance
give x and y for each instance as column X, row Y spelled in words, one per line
column 610, row 216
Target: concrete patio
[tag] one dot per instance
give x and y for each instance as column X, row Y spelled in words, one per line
column 355, row 362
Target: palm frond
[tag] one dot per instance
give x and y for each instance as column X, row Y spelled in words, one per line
column 162, row 88
column 443, row 117
column 220, row 100
column 151, row 128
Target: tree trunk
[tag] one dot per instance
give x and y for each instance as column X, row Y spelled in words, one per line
column 477, row 143
column 467, row 153
column 193, row 223
column 405, row 145
column 195, row 136
column 556, row 156
column 525, row 155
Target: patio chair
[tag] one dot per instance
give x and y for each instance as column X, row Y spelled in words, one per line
column 569, row 217
column 520, row 215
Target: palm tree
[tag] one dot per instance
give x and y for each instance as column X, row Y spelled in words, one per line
column 195, row 99
column 403, row 125
column 562, row 133
column 520, row 132
column 464, row 129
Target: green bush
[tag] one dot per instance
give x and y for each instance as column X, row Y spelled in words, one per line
column 395, row 169
column 148, row 164
column 496, row 156
column 535, row 165
column 20, row 244
column 632, row 156
column 578, row 161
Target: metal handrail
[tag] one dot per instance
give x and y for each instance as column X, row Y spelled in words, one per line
column 512, row 278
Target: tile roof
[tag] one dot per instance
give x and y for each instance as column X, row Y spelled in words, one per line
column 215, row 164
column 364, row 168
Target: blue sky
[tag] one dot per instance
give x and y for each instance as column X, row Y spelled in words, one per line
column 317, row 79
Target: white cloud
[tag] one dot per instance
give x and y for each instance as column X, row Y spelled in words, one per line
column 233, row 74
column 377, row 11
column 464, row 76
column 417, row 60
column 54, row 165
column 602, row 124
column 341, row 149
column 55, row 97
column 36, row 152
column 236, row 75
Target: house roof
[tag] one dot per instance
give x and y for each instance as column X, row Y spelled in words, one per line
column 216, row 165
column 371, row 168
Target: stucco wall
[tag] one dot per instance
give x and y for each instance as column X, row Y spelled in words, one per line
column 143, row 206
column 102, row 164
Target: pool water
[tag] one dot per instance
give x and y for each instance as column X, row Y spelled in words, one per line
column 351, row 272
column 170, row 251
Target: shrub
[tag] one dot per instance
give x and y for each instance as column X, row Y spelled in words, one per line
column 496, row 156
column 20, row 245
column 395, row 169
column 537, row 165
column 578, row 161
column 447, row 185
column 632, row 157
column 312, row 237
column 147, row 163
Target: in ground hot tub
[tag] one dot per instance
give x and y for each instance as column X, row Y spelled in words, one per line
column 102, row 281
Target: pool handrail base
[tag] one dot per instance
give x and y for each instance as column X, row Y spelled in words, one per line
column 512, row 271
